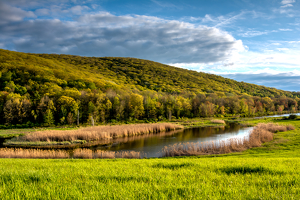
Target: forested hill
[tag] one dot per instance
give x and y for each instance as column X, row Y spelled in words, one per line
column 160, row 77
column 50, row 88
column 114, row 72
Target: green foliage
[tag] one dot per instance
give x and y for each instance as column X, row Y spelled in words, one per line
column 123, row 89
column 48, row 118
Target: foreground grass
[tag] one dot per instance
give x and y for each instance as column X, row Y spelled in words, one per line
column 268, row 172
column 176, row 178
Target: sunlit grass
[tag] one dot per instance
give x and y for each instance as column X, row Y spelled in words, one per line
column 271, row 171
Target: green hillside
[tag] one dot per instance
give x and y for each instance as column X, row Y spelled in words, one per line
column 159, row 77
column 50, row 89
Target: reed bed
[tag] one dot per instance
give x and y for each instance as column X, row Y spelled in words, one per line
column 56, row 154
column 218, row 121
column 32, row 153
column 260, row 134
column 89, row 154
column 100, row 132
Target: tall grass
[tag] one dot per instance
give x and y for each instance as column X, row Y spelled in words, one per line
column 78, row 153
column 218, row 121
column 32, row 153
column 260, row 134
column 100, row 132
column 89, row 154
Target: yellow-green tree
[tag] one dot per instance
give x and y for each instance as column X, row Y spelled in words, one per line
column 103, row 106
column 70, row 106
column 136, row 105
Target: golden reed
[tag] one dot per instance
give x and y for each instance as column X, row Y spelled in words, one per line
column 100, row 132
column 32, row 153
column 89, row 154
column 60, row 154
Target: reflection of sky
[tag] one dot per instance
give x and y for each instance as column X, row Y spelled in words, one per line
column 283, row 115
column 152, row 146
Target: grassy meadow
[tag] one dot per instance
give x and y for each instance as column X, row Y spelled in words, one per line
column 267, row 172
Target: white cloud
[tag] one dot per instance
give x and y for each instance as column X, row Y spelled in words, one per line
column 285, row 29
column 77, row 10
column 284, row 2
column 12, row 14
column 253, row 33
column 287, row 5
column 286, row 8
column 282, row 49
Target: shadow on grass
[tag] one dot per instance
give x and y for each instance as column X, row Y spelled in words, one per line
column 173, row 166
column 121, row 179
column 26, row 178
column 248, row 170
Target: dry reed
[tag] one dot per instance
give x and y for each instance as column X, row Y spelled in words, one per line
column 78, row 153
column 32, row 153
column 218, row 121
column 89, row 154
column 260, row 134
column 100, row 132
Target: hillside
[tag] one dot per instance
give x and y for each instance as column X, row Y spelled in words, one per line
column 122, row 88
column 160, row 77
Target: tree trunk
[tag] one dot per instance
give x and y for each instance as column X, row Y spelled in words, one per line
column 78, row 118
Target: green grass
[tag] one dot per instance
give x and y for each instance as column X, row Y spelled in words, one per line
column 268, row 172
column 197, row 122
column 9, row 133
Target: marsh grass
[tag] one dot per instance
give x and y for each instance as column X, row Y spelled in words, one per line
column 218, row 121
column 32, row 153
column 89, row 154
column 100, row 132
column 59, row 154
column 260, row 134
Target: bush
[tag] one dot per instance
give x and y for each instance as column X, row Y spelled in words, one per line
column 293, row 117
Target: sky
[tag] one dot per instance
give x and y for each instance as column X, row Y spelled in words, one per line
column 255, row 41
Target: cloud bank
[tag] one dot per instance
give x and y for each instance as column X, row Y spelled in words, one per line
column 286, row 81
column 105, row 34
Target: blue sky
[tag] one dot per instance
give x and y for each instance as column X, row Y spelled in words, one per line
column 246, row 40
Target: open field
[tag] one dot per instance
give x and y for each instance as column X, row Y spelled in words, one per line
column 233, row 177
column 271, row 171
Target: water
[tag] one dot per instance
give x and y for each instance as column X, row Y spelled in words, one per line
column 152, row 145
column 283, row 115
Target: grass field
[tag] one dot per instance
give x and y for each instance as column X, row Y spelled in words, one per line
column 268, row 172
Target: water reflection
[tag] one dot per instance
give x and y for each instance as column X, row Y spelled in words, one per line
column 282, row 115
column 151, row 145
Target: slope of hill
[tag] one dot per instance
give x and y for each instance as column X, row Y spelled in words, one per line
column 160, row 77
column 50, row 88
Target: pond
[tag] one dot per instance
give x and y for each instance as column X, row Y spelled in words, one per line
column 152, row 145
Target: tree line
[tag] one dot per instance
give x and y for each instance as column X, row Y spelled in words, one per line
column 71, row 104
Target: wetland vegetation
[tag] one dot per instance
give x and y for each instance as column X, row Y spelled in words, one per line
column 270, row 171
